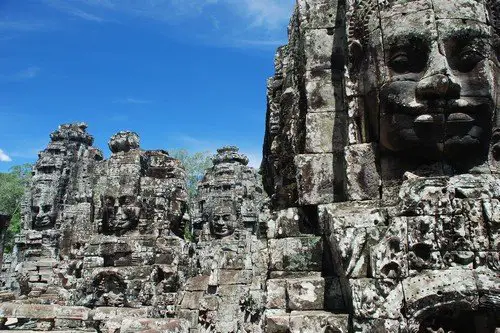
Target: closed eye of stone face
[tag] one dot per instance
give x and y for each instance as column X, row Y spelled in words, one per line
column 408, row 54
column 466, row 48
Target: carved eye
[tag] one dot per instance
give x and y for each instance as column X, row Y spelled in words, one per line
column 126, row 200
column 226, row 218
column 468, row 59
column 400, row 63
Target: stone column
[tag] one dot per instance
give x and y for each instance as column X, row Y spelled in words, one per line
column 4, row 224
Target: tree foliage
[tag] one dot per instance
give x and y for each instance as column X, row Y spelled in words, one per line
column 195, row 164
column 12, row 187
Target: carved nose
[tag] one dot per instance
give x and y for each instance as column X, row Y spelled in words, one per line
column 120, row 213
column 435, row 87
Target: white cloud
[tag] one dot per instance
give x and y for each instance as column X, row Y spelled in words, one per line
column 28, row 73
column 4, row 157
column 259, row 43
column 84, row 15
column 130, row 100
column 21, row 26
column 268, row 14
column 67, row 7
column 22, row 75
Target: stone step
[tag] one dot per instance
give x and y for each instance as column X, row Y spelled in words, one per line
column 7, row 296
column 67, row 331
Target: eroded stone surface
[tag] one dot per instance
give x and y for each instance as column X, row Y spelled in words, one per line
column 407, row 200
column 381, row 160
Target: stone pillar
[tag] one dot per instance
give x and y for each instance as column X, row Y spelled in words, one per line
column 4, row 225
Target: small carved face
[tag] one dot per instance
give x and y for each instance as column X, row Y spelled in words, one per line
column 223, row 222
column 109, row 290
column 431, row 83
column 120, row 213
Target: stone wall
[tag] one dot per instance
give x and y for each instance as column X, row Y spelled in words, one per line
column 382, row 139
column 102, row 246
column 380, row 161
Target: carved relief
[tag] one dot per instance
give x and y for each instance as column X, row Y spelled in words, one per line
column 429, row 94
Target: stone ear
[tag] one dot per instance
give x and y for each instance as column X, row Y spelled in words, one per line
column 356, row 55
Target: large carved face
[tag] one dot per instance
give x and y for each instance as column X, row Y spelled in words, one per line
column 223, row 221
column 431, row 79
column 43, row 212
column 120, row 213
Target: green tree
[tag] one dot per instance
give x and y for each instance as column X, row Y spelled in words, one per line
column 12, row 187
column 195, row 164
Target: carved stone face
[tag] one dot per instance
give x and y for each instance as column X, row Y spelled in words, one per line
column 431, row 79
column 43, row 210
column 120, row 213
column 109, row 290
column 223, row 221
column 43, row 215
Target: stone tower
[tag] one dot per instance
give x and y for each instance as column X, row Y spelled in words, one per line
column 228, row 293
column 382, row 136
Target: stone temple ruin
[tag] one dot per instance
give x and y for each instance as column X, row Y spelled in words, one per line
column 376, row 209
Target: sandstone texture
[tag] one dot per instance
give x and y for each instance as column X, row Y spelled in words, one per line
column 376, row 209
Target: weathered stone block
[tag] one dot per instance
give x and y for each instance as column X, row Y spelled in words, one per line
column 318, row 46
column 318, row 321
column 276, row 294
column 375, row 299
column 286, row 224
column 319, row 14
column 351, row 230
column 464, row 10
column 325, row 132
column 306, row 294
column 362, row 177
column 277, row 321
column 228, row 277
column 491, row 210
column 296, row 254
column 378, row 325
column 72, row 313
column 153, row 324
column 197, row 283
column 365, row 214
column 430, row 288
column 321, row 94
column 191, row 300
column 388, row 258
column 315, row 178
column 190, row 316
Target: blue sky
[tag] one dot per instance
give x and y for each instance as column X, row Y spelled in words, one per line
column 182, row 73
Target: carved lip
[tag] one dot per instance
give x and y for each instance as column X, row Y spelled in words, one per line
column 456, row 117
column 465, row 105
column 221, row 230
column 459, row 117
column 424, row 119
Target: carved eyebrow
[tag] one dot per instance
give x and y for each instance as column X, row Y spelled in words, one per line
column 407, row 39
column 466, row 33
